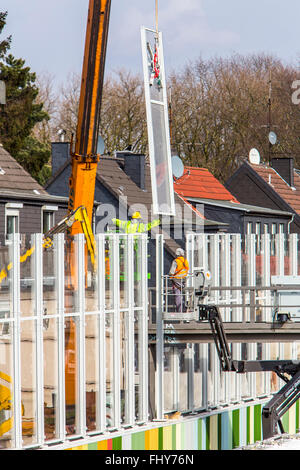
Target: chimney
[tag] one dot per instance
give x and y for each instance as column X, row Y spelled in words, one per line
column 285, row 168
column 60, row 153
column 134, row 167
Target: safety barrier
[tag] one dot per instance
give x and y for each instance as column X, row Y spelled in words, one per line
column 73, row 339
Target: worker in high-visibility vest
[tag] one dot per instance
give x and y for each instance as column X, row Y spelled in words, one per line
column 178, row 273
column 135, row 225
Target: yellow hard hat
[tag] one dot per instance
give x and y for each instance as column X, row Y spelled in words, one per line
column 136, row 215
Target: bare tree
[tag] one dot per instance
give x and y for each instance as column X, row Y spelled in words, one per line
column 220, row 110
column 67, row 107
column 123, row 116
column 44, row 131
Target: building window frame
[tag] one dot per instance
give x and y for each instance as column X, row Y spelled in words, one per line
column 50, row 211
column 14, row 214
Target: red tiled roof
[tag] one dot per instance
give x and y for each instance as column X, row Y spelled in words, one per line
column 200, row 183
column 283, row 189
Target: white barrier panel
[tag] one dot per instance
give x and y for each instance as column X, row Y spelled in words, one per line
column 73, row 339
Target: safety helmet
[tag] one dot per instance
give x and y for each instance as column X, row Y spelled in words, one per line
column 136, row 215
column 180, row 252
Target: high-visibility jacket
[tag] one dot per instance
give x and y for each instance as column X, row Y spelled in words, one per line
column 135, row 227
column 182, row 268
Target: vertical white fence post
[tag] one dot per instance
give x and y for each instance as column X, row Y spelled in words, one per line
column 251, row 282
column 143, row 332
column 116, row 333
column 80, row 307
column 267, row 311
column 101, row 402
column 215, row 269
column 60, row 305
column 16, row 313
column 159, row 389
column 293, row 251
column 237, row 312
column 38, row 312
column 130, row 395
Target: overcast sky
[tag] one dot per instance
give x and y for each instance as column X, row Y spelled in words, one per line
column 50, row 35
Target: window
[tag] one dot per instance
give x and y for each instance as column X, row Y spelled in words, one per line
column 249, row 228
column 266, row 228
column 258, row 240
column 273, row 233
column 48, row 220
column 281, row 228
column 11, row 222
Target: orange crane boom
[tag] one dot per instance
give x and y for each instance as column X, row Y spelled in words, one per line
column 85, row 158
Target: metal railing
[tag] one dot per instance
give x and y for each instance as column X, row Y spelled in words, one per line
column 247, row 304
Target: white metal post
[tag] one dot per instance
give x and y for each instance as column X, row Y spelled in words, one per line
column 279, row 238
column 80, row 307
column 203, row 241
column 293, row 251
column 175, row 375
column 267, row 311
column 215, row 269
column 143, row 333
column 159, row 328
column 16, row 313
column 252, row 282
column 101, row 400
column 60, row 299
column 130, row 379
column 38, row 312
column 293, row 270
column 116, row 333
column 226, row 273
column 279, row 245
column 237, row 312
column 190, row 376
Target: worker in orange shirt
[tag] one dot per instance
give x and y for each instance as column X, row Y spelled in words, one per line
column 178, row 273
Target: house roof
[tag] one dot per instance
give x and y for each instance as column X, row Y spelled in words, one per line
column 291, row 195
column 111, row 174
column 14, row 180
column 200, row 183
column 241, row 207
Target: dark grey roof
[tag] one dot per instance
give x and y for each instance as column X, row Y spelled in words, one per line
column 14, row 178
column 241, row 207
column 16, row 183
column 46, row 197
column 111, row 175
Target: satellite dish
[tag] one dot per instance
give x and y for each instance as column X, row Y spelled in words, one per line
column 100, row 146
column 177, row 167
column 272, row 138
column 254, row 157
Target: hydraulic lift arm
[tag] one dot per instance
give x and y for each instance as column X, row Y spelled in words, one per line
column 287, row 370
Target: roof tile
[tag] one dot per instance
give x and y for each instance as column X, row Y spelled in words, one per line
column 283, row 189
column 200, row 183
